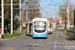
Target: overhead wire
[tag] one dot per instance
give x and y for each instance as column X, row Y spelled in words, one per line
column 48, row 5
column 51, row 4
column 58, row 3
column 45, row 11
column 54, row 3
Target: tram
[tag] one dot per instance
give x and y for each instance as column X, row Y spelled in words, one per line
column 50, row 30
column 37, row 27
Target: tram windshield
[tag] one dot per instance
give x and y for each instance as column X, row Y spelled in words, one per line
column 39, row 26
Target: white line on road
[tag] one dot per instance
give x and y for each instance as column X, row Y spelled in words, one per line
column 37, row 43
column 41, row 45
column 55, row 40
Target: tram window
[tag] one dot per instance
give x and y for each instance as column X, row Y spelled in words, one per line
column 30, row 26
column 39, row 26
column 49, row 25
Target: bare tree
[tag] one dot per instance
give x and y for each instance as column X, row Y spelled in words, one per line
column 33, row 15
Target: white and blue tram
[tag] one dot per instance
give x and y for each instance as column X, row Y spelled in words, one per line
column 37, row 27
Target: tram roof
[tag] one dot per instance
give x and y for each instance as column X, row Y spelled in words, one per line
column 41, row 19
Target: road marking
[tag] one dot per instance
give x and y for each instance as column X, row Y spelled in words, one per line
column 66, row 47
column 41, row 45
column 55, row 40
column 37, row 43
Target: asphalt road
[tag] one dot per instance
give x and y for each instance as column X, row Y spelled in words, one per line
column 55, row 41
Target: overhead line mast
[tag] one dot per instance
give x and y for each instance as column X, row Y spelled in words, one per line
column 11, row 16
column 68, row 14
column 2, row 3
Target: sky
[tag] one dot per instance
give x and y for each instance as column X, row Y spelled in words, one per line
column 48, row 10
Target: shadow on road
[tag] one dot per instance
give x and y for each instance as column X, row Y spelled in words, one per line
column 40, row 38
column 66, row 38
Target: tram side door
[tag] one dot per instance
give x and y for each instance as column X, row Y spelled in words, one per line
column 27, row 29
column 30, row 29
